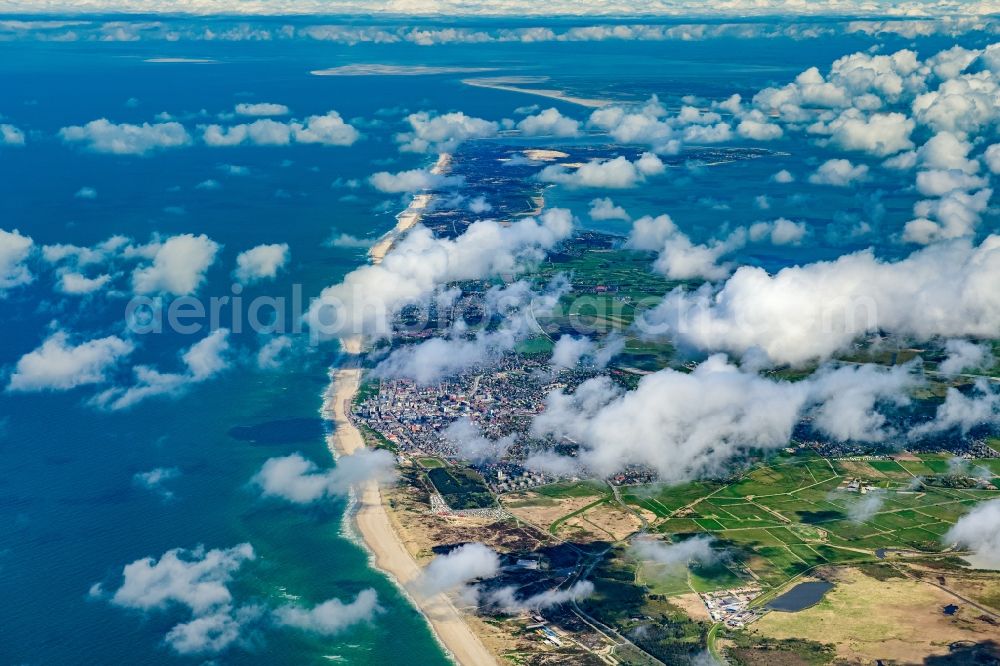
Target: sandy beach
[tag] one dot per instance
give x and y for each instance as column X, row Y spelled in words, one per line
column 395, row 70
column 514, row 84
column 388, row 552
column 370, row 517
column 544, row 155
column 409, row 217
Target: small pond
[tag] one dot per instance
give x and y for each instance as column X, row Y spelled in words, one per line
column 800, row 597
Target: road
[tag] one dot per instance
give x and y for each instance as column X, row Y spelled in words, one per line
column 988, row 611
column 713, row 649
column 582, row 573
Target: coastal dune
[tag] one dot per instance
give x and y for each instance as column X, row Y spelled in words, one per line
column 388, row 551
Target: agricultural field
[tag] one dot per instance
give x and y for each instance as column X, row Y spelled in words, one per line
column 611, row 287
column 572, row 489
column 794, row 514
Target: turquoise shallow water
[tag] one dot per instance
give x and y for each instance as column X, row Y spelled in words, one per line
column 70, row 514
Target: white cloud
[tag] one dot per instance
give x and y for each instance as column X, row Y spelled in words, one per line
column 965, row 355
column 300, row 481
column 650, row 233
column 812, row 311
column 864, row 508
column 846, row 399
column 679, row 555
column 71, row 262
column 78, row 284
column 689, row 425
column 11, row 135
column 519, row 8
column 209, row 184
column 205, row 359
column 272, row 354
column 262, row 109
column 178, row 265
column 605, row 209
column 456, row 568
column 59, row 365
column 650, row 123
column 616, row 173
column 430, row 361
column 505, row 599
column 260, row 263
column 979, row 531
column 79, row 256
column 959, row 105
column 858, row 82
column 234, row 169
column 569, row 351
column 759, row 129
column 549, row 123
column 348, row 241
column 992, row 157
column 195, row 580
column 902, row 161
column 265, row 132
column 412, row 180
column 14, row 252
column 443, row 133
column 954, row 215
column 86, row 193
column 945, row 150
column 808, row 89
column 682, row 425
column 211, row 634
column 981, row 407
column 880, row 134
column 328, row 130
column 332, row 616
column 780, row 232
column 202, row 361
column 644, row 124
column 679, row 258
column 950, row 63
column 940, row 182
column 480, row 205
column 155, row 478
column 103, row 136
column 471, row 445
column 839, row 173
column 368, row 296
column 784, row 177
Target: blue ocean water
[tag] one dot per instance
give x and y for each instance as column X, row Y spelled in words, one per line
column 70, row 514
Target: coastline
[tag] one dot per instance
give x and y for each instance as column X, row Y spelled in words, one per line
column 367, row 515
column 410, row 217
column 373, row 525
